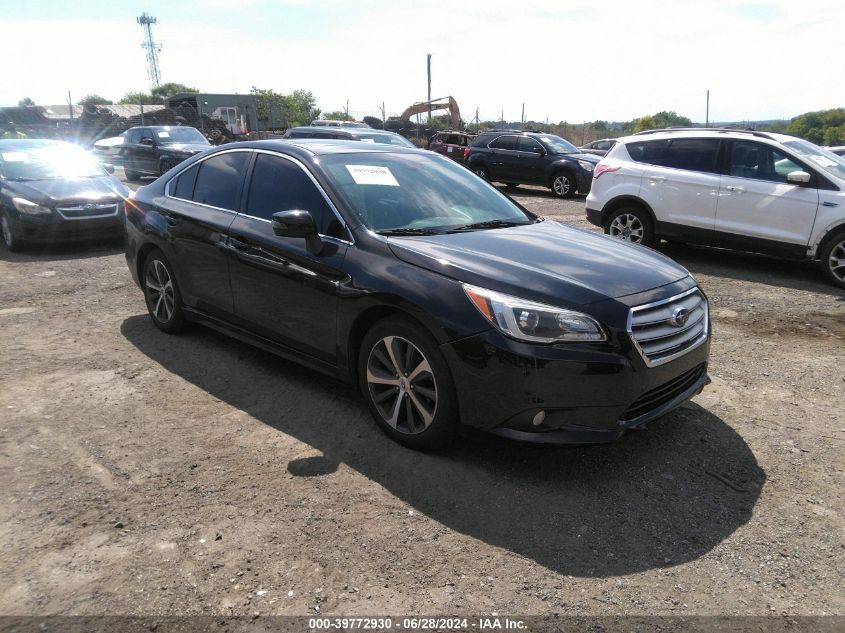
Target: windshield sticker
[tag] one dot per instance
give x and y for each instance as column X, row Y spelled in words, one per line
column 371, row 175
column 15, row 157
column 367, row 140
column 163, row 134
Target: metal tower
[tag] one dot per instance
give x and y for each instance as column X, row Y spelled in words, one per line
column 153, row 71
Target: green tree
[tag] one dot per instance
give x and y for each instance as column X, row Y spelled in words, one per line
column 270, row 107
column 139, row 97
column 336, row 115
column 94, row 99
column 822, row 127
column 26, row 101
column 301, row 107
column 169, row 89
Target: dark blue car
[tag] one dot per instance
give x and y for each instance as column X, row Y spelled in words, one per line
column 531, row 158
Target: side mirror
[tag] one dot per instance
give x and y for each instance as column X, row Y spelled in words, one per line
column 298, row 223
column 798, row 178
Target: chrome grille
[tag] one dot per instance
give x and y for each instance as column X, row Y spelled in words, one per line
column 666, row 329
column 88, row 211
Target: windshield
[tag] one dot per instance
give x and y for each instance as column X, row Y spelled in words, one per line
column 49, row 162
column 387, row 139
column 820, row 157
column 170, row 135
column 417, row 193
column 556, row 145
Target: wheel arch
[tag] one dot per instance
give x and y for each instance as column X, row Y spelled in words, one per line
column 826, row 238
column 620, row 201
column 368, row 317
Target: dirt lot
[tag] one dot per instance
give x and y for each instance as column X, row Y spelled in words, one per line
column 147, row 474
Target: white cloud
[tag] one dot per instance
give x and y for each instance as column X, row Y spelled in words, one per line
column 567, row 60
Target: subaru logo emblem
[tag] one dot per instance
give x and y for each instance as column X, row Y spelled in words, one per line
column 90, row 206
column 680, row 316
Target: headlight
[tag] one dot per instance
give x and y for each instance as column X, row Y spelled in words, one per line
column 535, row 322
column 586, row 165
column 30, row 208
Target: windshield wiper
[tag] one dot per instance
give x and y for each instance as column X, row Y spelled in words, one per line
column 409, row 231
column 487, row 224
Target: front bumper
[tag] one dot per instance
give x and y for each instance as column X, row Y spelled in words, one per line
column 588, row 393
column 47, row 230
column 584, row 179
column 594, row 217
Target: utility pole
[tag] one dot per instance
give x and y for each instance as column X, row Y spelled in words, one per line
column 584, row 133
column 707, row 115
column 428, row 68
column 477, row 124
column 346, row 110
column 153, row 49
column 502, row 119
column 70, row 107
column 383, row 117
column 523, row 115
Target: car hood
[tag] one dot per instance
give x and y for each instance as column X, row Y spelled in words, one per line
column 583, row 155
column 60, row 191
column 188, row 148
column 545, row 261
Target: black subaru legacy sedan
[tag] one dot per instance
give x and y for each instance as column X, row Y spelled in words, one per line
column 51, row 191
column 399, row 270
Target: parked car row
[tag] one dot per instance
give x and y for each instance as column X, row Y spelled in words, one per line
column 752, row 191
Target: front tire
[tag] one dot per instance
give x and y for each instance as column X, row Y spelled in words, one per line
column 164, row 301
column 833, row 259
column 11, row 241
column 408, row 385
column 563, row 184
column 632, row 224
column 131, row 176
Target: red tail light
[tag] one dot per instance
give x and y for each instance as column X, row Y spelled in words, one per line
column 603, row 169
column 466, row 153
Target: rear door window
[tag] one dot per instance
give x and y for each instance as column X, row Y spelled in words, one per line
column 691, row 154
column 506, row 142
column 183, row 185
column 220, row 179
column 646, row 151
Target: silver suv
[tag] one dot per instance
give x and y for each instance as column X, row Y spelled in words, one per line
column 752, row 191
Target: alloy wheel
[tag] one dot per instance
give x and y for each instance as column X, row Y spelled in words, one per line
column 160, row 293
column 836, row 261
column 402, row 385
column 627, row 226
column 481, row 173
column 561, row 185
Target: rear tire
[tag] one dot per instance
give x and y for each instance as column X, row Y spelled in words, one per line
column 165, row 166
column 131, row 176
column 11, row 241
column 833, row 259
column 512, row 186
column 161, row 292
column 481, row 172
column 632, row 224
column 563, row 184
column 407, row 384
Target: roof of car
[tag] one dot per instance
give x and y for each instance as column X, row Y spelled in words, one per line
column 22, row 143
column 321, row 147
column 330, row 129
column 690, row 132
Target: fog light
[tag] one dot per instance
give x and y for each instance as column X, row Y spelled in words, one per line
column 539, row 418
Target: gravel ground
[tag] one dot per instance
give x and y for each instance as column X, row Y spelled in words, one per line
column 148, row 474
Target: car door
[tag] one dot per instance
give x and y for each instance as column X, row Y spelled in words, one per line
column 757, row 207
column 681, row 185
column 281, row 290
column 504, row 157
column 147, row 153
column 129, row 149
column 532, row 159
column 199, row 208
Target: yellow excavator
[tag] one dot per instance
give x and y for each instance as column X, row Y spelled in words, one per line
column 442, row 103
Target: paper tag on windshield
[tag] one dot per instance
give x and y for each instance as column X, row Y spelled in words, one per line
column 163, row 134
column 15, row 157
column 371, row 175
column 368, row 140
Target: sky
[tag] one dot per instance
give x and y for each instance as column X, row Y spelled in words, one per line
column 566, row 60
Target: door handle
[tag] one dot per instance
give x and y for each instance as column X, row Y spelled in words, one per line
column 657, row 179
column 735, row 189
column 238, row 245
column 171, row 219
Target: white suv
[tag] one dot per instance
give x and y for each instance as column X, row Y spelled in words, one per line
column 752, row 191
